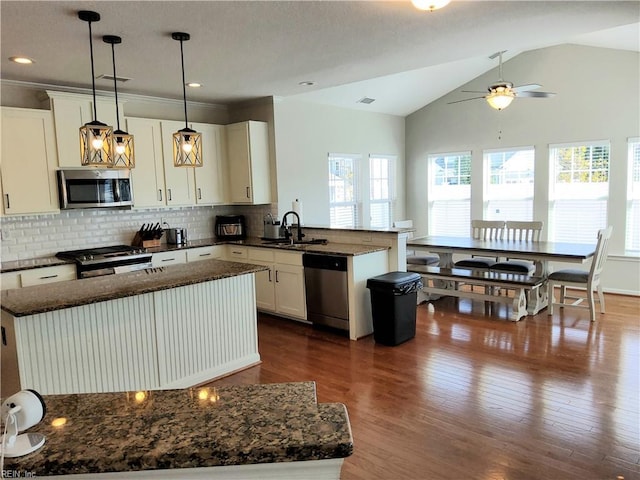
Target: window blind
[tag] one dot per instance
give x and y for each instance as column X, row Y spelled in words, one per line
column 509, row 182
column 449, row 194
column 343, row 190
column 381, row 190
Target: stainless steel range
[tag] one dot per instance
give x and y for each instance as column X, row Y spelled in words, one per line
column 93, row 262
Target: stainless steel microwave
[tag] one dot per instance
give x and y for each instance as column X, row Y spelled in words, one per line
column 94, row 188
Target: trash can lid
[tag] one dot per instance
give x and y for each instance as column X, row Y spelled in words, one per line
column 393, row 279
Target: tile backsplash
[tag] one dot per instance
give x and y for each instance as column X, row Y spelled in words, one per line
column 36, row 236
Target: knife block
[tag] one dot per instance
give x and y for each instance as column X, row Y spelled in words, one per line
column 139, row 242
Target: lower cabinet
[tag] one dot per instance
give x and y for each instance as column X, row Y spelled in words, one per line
column 205, row 253
column 38, row 276
column 171, row 257
column 281, row 288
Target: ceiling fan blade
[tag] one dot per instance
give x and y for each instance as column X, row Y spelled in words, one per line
column 473, row 91
column 535, row 94
column 526, row 88
column 464, row 100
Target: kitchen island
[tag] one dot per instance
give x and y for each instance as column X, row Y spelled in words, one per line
column 160, row 328
column 239, row 431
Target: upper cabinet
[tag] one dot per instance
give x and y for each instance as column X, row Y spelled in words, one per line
column 248, row 163
column 72, row 111
column 210, row 176
column 28, row 162
column 156, row 182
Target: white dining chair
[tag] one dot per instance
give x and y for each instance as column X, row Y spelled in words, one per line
column 483, row 230
column 583, row 279
column 414, row 258
column 519, row 232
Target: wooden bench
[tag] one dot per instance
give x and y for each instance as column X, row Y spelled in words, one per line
column 446, row 281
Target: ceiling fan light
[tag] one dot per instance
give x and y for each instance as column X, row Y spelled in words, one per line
column 430, row 5
column 500, row 98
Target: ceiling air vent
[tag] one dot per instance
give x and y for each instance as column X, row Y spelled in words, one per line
column 106, row 76
column 366, row 100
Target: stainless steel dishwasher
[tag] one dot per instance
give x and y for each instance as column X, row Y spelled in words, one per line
column 325, row 279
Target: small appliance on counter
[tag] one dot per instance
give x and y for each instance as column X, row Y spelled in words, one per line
column 149, row 235
column 272, row 228
column 230, row 227
column 176, row 236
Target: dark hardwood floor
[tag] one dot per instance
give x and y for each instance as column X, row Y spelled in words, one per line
column 475, row 396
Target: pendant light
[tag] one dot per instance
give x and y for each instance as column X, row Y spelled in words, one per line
column 95, row 136
column 123, row 156
column 187, row 143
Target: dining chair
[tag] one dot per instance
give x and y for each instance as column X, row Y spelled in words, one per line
column 519, row 232
column 483, row 230
column 589, row 279
column 412, row 257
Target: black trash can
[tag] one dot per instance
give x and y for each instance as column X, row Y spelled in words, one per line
column 393, row 306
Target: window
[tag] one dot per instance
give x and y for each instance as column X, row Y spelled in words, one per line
column 381, row 191
column 449, row 194
column 579, row 191
column 632, row 239
column 508, row 189
column 344, row 210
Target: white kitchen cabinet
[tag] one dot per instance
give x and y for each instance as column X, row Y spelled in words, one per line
column 156, row 182
column 205, row 253
column 72, row 111
column 28, row 162
column 281, row 288
column 209, row 178
column 248, row 163
column 171, row 257
column 40, row 276
column 10, row 280
column 237, row 253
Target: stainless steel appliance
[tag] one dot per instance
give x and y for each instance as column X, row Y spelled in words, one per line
column 176, row 236
column 230, row 227
column 94, row 188
column 93, row 262
column 272, row 229
column 325, row 280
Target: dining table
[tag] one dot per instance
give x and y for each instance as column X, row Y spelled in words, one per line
column 541, row 253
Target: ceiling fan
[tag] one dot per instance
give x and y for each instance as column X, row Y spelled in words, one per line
column 502, row 93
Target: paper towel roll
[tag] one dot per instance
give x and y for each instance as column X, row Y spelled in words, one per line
column 296, row 206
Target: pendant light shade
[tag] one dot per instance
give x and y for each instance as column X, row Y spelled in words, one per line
column 123, row 155
column 96, row 147
column 430, row 5
column 187, row 143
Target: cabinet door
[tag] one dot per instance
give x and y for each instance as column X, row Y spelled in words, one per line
column 290, row 293
column 205, row 253
column 70, row 112
column 148, row 175
column 238, row 162
column 209, row 179
column 265, row 289
column 178, row 181
column 28, row 161
column 172, row 257
column 40, row 276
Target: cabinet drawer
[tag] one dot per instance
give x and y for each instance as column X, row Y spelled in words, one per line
column 204, row 253
column 9, row 280
column 288, row 258
column 40, row 276
column 237, row 253
column 261, row 255
column 163, row 259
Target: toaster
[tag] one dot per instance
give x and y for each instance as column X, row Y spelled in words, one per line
column 230, row 227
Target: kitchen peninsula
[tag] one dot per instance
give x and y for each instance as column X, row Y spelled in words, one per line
column 236, row 431
column 161, row 328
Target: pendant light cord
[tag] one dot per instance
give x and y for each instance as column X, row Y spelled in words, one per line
column 115, row 82
column 93, row 75
column 184, row 87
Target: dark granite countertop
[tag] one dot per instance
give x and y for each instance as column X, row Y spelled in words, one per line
column 190, row 428
column 55, row 296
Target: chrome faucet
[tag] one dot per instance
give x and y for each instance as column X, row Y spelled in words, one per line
column 287, row 229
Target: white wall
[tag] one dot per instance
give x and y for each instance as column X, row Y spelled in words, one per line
column 598, row 98
column 306, row 133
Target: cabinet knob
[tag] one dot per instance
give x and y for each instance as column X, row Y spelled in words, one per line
column 168, row 194
column 7, row 203
column 248, row 193
column 160, row 194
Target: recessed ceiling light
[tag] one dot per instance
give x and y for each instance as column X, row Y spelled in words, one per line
column 430, row 5
column 306, row 83
column 194, row 84
column 22, row 60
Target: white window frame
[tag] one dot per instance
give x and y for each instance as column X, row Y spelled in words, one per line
column 446, row 202
column 509, row 199
column 632, row 237
column 336, row 183
column 577, row 210
column 382, row 191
